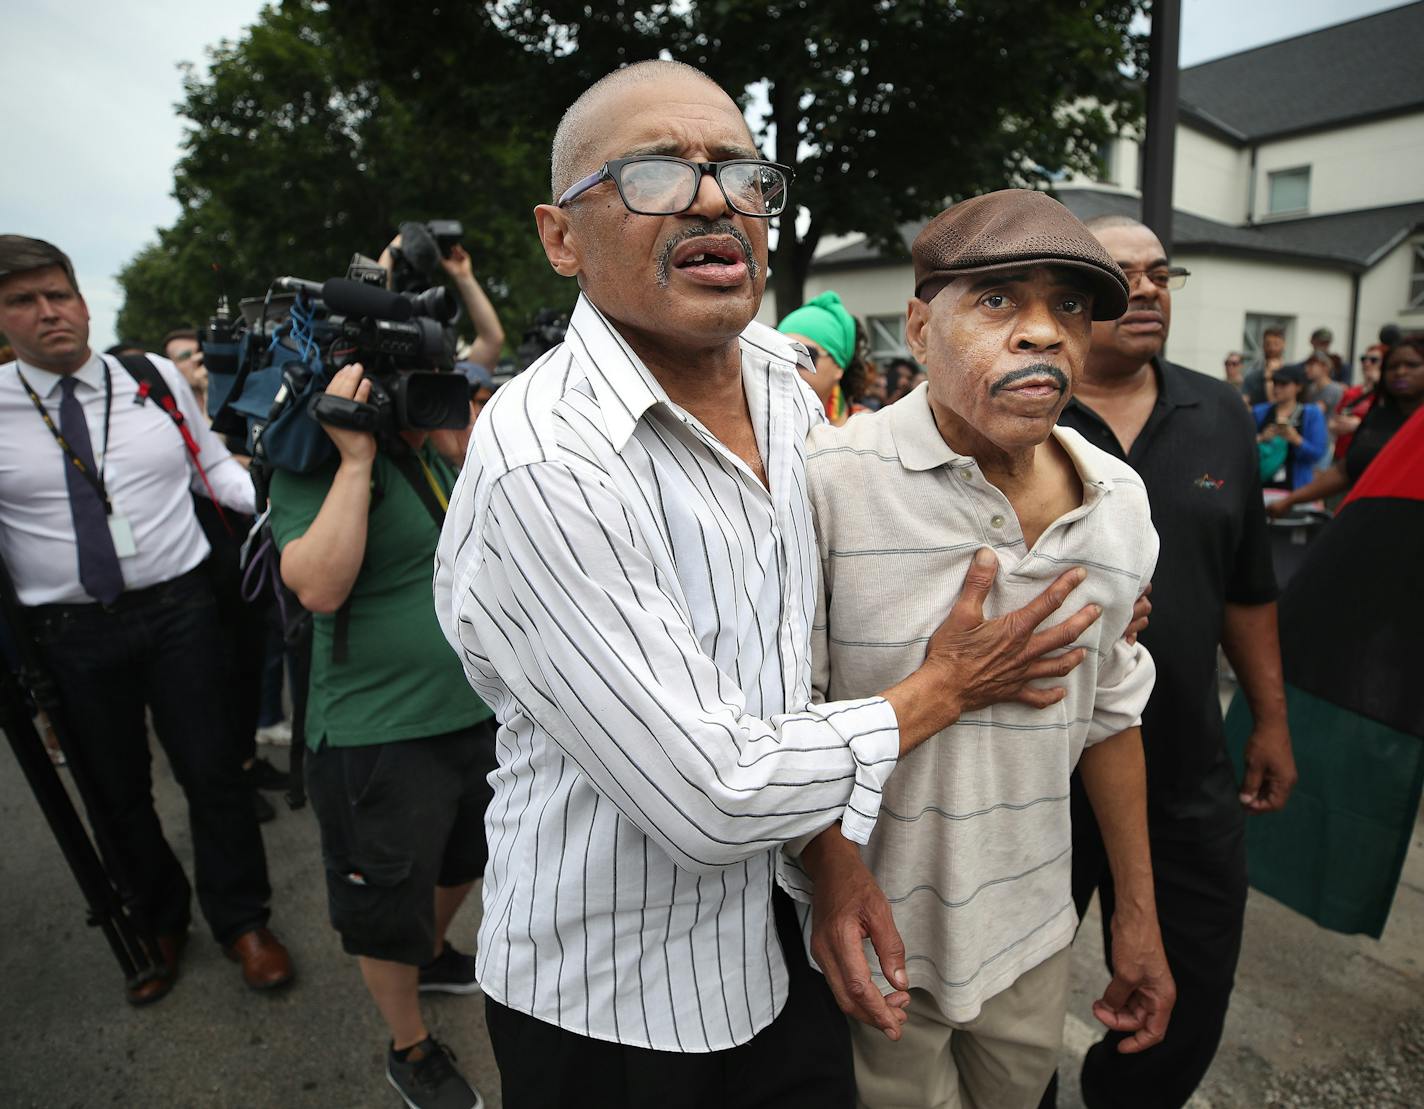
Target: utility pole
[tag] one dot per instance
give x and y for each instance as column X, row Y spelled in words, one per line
column 1159, row 146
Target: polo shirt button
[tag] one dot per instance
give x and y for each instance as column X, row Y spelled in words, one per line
column 996, row 521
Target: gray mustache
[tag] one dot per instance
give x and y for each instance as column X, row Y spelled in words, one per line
column 721, row 227
column 1041, row 369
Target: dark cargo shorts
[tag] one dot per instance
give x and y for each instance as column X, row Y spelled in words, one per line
column 397, row 820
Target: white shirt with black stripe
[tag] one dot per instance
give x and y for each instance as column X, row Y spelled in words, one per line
column 973, row 848
column 636, row 607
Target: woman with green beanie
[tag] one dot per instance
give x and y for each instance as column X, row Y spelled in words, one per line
column 828, row 331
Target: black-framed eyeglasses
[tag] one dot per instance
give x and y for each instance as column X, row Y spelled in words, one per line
column 658, row 185
column 1164, row 277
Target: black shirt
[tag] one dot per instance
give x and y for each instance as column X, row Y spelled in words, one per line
column 1197, row 456
column 1375, row 430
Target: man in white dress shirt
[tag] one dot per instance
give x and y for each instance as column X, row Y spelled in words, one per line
column 627, row 572
column 98, row 532
column 974, row 846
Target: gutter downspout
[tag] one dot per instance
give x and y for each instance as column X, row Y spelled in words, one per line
column 1251, row 189
column 1354, row 327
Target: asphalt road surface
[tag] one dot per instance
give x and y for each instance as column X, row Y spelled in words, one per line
column 1318, row 1019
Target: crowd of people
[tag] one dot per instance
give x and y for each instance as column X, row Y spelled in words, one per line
column 763, row 686
column 1309, row 415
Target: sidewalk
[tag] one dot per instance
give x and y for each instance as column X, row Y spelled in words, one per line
column 1310, row 1005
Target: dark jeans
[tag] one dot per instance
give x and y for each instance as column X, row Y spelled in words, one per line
column 802, row 1060
column 1200, row 884
column 159, row 648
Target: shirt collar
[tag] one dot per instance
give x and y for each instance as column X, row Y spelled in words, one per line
column 625, row 388
column 46, row 384
column 921, row 446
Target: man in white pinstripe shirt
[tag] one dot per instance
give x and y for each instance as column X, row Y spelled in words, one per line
column 627, row 572
column 973, row 849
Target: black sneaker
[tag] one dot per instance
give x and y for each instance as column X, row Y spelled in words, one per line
column 449, row 972
column 263, row 775
column 431, row 1080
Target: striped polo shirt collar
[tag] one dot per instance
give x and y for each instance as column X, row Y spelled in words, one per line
column 920, row 445
column 625, row 388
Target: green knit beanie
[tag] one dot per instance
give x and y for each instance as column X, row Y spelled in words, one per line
column 825, row 321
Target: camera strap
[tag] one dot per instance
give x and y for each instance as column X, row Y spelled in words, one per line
column 152, row 386
column 420, row 477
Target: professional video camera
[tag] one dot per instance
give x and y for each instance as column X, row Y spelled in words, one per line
column 273, row 364
column 416, row 262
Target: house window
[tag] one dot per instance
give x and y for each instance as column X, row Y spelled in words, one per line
column 1256, row 324
column 1416, row 280
column 1288, row 190
column 887, row 337
column 1107, row 162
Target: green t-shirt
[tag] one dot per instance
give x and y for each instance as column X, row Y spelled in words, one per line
column 400, row 679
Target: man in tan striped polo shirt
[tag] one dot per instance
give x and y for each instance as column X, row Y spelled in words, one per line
column 972, row 851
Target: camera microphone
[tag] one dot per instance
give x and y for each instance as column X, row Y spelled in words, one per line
column 356, row 298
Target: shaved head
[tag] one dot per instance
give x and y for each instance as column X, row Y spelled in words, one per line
column 583, row 126
column 1104, row 223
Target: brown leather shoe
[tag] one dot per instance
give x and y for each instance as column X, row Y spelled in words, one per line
column 170, row 950
column 265, row 962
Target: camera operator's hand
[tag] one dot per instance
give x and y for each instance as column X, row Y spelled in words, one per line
column 355, row 447
column 388, row 260
column 458, row 264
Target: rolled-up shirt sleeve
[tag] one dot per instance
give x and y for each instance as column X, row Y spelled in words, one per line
column 555, row 589
column 230, row 483
column 1126, row 672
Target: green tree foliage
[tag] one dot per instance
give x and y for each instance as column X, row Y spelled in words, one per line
column 326, row 125
column 298, row 155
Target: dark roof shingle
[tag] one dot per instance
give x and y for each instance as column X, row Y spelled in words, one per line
column 1367, row 67
column 1347, row 240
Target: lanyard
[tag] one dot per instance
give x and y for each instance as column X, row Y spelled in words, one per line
column 96, row 480
column 440, row 498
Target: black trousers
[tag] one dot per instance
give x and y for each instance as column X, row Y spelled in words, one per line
column 162, row 649
column 802, row 1060
column 1199, row 877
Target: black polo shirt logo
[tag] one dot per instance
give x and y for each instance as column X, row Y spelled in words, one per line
column 1209, row 483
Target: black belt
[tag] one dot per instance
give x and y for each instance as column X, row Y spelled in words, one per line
column 129, row 599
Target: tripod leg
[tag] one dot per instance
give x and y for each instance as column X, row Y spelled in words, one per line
column 105, row 907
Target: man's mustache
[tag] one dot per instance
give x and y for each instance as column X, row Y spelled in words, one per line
column 1038, row 369
column 698, row 231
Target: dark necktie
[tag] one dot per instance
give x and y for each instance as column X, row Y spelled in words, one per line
column 99, row 570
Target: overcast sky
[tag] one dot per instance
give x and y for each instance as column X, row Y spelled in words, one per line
column 91, row 135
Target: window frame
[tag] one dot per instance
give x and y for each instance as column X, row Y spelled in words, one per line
column 1272, row 176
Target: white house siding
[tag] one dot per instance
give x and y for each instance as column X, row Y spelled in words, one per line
column 1384, row 293
column 1364, row 165
column 1212, row 178
column 1209, row 315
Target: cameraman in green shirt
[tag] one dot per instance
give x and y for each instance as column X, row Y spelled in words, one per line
column 400, row 747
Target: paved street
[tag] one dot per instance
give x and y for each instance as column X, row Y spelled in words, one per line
column 1319, row 1019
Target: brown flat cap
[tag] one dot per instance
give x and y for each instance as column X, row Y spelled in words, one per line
column 1008, row 229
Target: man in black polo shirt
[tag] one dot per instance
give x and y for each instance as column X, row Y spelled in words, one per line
column 1192, row 440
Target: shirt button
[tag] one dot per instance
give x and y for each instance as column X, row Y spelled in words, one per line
column 964, row 473
column 996, row 521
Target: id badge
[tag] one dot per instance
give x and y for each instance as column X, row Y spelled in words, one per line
column 122, row 531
